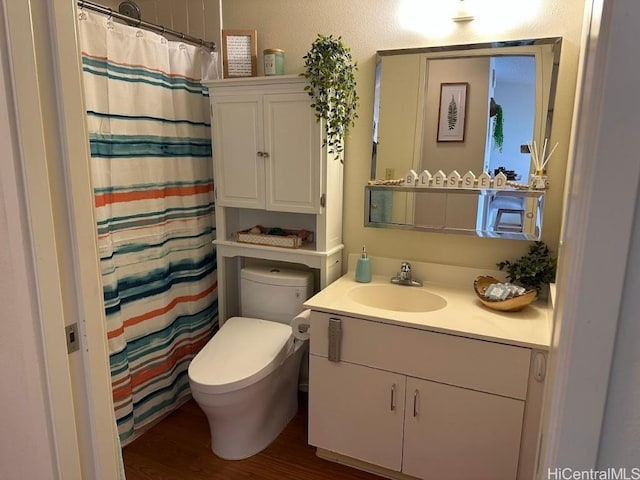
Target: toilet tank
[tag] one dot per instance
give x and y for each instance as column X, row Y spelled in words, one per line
column 273, row 293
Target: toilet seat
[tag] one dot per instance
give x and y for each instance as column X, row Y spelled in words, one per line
column 242, row 352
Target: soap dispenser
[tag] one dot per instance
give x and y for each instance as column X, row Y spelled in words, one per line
column 363, row 267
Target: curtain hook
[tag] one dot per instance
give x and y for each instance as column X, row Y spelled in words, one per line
column 82, row 15
column 110, row 20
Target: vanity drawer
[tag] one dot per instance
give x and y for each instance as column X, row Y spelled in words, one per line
column 476, row 364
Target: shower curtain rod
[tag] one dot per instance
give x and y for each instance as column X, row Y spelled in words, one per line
column 146, row 25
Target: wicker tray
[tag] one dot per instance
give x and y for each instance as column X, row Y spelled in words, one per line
column 510, row 304
column 290, row 240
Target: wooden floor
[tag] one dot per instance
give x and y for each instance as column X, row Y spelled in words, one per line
column 179, row 448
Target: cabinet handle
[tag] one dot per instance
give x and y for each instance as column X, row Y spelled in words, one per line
column 393, row 397
column 416, row 395
column 539, row 366
column 265, row 154
column 261, row 154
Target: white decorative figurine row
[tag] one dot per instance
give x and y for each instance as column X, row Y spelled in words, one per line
column 455, row 180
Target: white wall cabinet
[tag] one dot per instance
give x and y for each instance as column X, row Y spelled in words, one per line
column 420, row 403
column 270, row 169
column 267, row 151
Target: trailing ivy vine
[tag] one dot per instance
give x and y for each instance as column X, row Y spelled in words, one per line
column 498, row 128
column 330, row 70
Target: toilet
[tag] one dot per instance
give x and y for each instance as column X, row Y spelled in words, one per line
column 245, row 379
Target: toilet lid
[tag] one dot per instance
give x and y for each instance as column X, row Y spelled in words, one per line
column 242, row 352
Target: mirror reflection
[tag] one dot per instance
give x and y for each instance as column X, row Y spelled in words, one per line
column 465, row 108
column 501, row 213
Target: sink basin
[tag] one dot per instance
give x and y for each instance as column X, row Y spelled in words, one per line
column 397, row 298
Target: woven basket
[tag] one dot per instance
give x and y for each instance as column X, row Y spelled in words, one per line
column 291, row 240
column 510, row 304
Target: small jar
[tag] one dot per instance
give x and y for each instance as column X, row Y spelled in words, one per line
column 273, row 61
column 538, row 180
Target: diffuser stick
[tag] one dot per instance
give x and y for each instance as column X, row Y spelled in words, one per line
column 536, row 158
column 549, row 156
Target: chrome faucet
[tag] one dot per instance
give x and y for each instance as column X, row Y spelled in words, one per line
column 404, row 276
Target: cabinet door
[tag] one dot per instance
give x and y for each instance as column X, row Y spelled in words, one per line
column 356, row 411
column 237, row 141
column 452, row 433
column 292, row 140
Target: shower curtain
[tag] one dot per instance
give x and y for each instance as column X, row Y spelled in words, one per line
column 148, row 121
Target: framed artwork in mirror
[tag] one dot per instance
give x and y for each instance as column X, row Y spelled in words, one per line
column 452, row 113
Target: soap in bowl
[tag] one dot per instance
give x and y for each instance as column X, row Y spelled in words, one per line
column 512, row 304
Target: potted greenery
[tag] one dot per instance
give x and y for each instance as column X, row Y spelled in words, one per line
column 495, row 111
column 330, row 70
column 534, row 270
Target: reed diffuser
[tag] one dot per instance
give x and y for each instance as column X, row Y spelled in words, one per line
column 538, row 179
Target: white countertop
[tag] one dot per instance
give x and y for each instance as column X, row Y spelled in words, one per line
column 463, row 315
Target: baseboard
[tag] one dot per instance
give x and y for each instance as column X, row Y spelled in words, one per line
column 360, row 465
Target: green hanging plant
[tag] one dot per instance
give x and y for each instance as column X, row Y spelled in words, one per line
column 498, row 128
column 533, row 270
column 330, row 70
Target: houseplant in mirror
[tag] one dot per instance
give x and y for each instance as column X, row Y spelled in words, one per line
column 330, row 70
column 495, row 111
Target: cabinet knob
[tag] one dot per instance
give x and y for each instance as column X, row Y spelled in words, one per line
column 263, row 154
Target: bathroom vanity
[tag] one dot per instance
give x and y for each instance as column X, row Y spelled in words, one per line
column 453, row 392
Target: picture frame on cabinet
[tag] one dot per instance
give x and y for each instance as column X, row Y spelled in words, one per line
column 239, row 53
column 452, row 112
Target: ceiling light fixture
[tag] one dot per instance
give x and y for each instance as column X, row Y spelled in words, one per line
column 461, row 11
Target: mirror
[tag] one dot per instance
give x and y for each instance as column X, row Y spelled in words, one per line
column 504, row 94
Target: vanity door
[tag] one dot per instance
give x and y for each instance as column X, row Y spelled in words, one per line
column 356, row 411
column 453, row 433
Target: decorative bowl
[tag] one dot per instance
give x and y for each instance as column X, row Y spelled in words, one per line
column 510, row 304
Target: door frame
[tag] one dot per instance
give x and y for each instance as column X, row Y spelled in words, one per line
column 592, row 265
column 50, row 125
column 578, row 364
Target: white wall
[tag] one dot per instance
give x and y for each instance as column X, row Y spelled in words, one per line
column 367, row 26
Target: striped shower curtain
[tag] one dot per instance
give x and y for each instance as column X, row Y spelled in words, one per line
column 150, row 140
